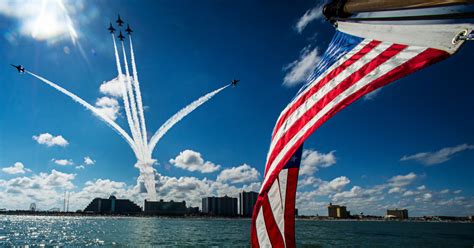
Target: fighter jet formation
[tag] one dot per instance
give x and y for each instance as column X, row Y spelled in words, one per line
column 120, row 23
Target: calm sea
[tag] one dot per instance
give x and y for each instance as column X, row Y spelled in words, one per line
column 130, row 231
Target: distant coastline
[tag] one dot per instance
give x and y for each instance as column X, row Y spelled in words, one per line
column 443, row 219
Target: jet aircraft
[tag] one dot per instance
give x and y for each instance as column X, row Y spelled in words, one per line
column 20, row 68
column 128, row 30
column 121, row 37
column 119, row 21
column 111, row 28
column 234, row 82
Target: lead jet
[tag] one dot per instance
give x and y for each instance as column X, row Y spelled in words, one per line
column 119, row 21
column 20, row 68
column 128, row 30
column 234, row 82
column 111, row 29
column 120, row 36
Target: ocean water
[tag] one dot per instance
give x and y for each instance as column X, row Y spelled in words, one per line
column 132, row 231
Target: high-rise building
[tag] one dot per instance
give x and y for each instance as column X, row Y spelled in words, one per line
column 396, row 213
column 247, row 201
column 161, row 207
column 219, row 206
column 339, row 212
column 112, row 206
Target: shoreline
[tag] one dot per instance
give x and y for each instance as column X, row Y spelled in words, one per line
column 197, row 217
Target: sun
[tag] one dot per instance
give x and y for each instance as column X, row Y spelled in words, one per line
column 52, row 22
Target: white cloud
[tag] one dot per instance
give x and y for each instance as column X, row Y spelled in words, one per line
column 308, row 181
column 335, row 185
column 240, row 174
column 396, row 190
column 438, row 157
column 63, row 162
column 444, row 191
column 88, row 161
column 372, row 94
column 43, row 181
column 192, row 189
column 80, row 167
column 50, row 140
column 457, row 191
column 17, row 168
column 299, row 70
column 45, row 20
column 402, row 180
column 373, row 200
column 106, row 102
column 307, row 200
column 112, row 88
column 104, row 188
column 309, row 16
column 193, row 161
column 312, row 160
column 109, row 106
column 409, row 193
column 357, row 192
column 427, row 196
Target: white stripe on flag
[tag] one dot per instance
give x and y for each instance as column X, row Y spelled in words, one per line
column 389, row 65
column 274, row 197
column 262, row 235
column 283, row 179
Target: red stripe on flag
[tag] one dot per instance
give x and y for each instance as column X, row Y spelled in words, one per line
column 272, row 227
column 354, row 58
column 341, row 87
column 291, row 184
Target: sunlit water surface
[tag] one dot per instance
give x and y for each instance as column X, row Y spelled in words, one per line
column 130, row 231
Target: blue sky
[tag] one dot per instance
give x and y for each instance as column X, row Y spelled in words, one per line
column 368, row 156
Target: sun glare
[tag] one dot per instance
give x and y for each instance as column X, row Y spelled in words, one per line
column 51, row 23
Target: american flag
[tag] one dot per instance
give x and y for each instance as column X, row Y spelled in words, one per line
column 350, row 68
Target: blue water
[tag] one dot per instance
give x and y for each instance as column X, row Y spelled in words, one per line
column 130, row 231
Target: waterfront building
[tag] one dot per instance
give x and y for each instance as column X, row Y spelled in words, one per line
column 396, row 213
column 161, row 207
column 112, row 206
column 337, row 211
column 219, row 206
column 192, row 211
column 247, row 201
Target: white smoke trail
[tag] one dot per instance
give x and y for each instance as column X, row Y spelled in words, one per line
column 132, row 100
column 104, row 117
column 178, row 116
column 125, row 97
column 139, row 94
